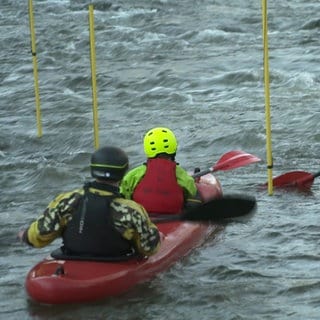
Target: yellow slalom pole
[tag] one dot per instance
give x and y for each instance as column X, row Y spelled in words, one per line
column 93, row 78
column 267, row 95
column 35, row 69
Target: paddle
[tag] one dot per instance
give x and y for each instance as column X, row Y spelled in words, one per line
column 215, row 210
column 299, row 179
column 230, row 160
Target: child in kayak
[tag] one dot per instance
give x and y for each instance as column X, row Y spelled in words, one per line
column 95, row 220
column 160, row 184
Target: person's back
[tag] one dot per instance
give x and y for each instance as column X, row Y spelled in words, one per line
column 95, row 221
column 160, row 184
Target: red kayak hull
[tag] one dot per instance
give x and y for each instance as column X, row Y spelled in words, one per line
column 85, row 281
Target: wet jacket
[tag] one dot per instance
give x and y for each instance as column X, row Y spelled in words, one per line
column 160, row 169
column 100, row 221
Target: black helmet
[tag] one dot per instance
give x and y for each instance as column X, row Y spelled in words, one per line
column 109, row 163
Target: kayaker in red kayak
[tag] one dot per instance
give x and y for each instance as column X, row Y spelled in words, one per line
column 160, row 184
column 95, row 221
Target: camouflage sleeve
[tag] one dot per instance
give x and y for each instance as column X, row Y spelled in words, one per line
column 51, row 223
column 134, row 224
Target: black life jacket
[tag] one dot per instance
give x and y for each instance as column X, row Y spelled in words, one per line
column 91, row 231
column 158, row 191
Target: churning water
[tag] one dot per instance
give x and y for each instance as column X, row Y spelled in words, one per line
column 197, row 68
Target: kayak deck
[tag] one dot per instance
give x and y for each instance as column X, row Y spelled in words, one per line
column 54, row 281
column 69, row 281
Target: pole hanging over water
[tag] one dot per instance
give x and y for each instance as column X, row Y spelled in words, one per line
column 35, row 69
column 93, row 78
column 267, row 95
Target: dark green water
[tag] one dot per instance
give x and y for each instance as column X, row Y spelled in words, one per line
column 193, row 66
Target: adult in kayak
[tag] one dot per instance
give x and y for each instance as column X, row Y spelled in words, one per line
column 95, row 220
column 160, row 184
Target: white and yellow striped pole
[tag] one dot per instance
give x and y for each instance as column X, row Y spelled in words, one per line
column 93, row 78
column 35, row 69
column 267, row 95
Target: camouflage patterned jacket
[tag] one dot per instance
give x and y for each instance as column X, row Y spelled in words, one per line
column 130, row 220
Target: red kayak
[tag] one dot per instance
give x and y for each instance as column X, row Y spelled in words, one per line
column 55, row 281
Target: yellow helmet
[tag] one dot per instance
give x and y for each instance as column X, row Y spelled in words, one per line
column 159, row 140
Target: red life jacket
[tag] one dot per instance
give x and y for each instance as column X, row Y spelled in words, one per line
column 158, row 191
